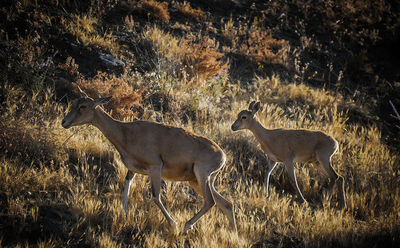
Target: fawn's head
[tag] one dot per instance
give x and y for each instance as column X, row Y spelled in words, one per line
column 82, row 110
column 246, row 117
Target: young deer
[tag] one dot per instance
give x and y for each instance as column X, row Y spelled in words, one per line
column 159, row 151
column 291, row 146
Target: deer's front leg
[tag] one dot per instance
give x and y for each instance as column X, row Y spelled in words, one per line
column 155, row 180
column 128, row 181
column 270, row 168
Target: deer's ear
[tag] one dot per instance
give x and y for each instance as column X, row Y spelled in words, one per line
column 257, row 106
column 255, row 109
column 83, row 94
column 102, row 100
column 251, row 106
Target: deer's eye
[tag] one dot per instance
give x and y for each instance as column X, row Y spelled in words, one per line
column 244, row 117
column 82, row 107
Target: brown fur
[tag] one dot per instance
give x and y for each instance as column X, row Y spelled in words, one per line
column 290, row 146
column 159, row 151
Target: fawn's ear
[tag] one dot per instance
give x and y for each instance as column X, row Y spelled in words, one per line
column 251, row 106
column 257, row 107
column 102, row 100
column 254, row 107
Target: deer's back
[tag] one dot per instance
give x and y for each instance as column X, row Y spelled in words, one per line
column 173, row 144
column 299, row 143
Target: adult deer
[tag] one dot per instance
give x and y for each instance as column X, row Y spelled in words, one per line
column 159, row 151
column 290, row 146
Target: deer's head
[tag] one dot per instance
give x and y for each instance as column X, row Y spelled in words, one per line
column 82, row 110
column 246, row 117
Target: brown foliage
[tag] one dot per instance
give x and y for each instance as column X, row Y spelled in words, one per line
column 69, row 66
column 198, row 57
column 204, row 60
column 261, row 47
column 187, row 10
column 156, row 9
column 125, row 99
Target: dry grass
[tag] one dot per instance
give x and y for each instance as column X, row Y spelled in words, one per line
column 86, row 191
column 126, row 98
column 189, row 11
column 84, row 29
column 261, row 47
column 63, row 187
column 155, row 8
column 196, row 59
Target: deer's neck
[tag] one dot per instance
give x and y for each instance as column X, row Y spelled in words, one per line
column 111, row 128
column 260, row 132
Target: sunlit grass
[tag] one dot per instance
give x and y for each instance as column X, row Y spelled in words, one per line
column 83, row 28
column 85, row 180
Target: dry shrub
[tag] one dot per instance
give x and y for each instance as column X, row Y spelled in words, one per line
column 129, row 23
column 84, row 29
column 261, row 47
column 187, row 10
column 167, row 51
column 156, row 9
column 29, row 50
column 203, row 60
column 198, row 58
column 22, row 58
column 230, row 31
column 69, row 66
column 250, row 39
column 125, row 99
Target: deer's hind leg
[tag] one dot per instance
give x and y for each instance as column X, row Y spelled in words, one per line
column 202, row 186
column 222, row 203
column 292, row 177
column 325, row 166
column 225, row 205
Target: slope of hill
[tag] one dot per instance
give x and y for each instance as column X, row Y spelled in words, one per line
column 325, row 65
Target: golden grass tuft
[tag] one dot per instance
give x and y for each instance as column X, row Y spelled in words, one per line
column 34, row 142
column 288, row 95
column 83, row 28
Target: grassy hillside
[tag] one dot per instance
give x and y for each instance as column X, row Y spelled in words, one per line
column 322, row 65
